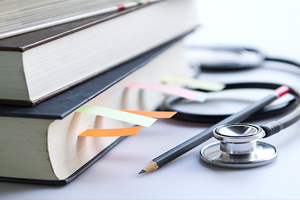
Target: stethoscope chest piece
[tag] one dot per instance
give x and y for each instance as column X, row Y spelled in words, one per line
column 238, row 147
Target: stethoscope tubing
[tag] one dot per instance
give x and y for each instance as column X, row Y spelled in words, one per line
column 291, row 107
column 269, row 111
column 282, row 60
column 276, row 126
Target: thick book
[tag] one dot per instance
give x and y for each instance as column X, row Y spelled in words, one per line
column 40, row 144
column 17, row 16
column 37, row 65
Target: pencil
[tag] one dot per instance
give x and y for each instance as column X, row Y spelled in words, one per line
column 191, row 143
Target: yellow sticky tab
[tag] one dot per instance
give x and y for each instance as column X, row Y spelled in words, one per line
column 118, row 115
column 195, row 83
column 111, row 132
column 153, row 114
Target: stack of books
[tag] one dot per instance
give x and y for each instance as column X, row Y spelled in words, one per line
column 52, row 64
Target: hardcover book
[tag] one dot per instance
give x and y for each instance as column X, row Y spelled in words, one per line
column 38, row 65
column 40, row 144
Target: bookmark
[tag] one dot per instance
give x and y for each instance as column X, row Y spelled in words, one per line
column 195, row 83
column 117, row 132
column 153, row 114
column 126, row 131
column 167, row 89
column 118, row 115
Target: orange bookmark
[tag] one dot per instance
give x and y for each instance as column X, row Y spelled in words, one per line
column 111, row 132
column 127, row 131
column 153, row 114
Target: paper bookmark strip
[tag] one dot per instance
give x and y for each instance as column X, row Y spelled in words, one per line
column 118, row 115
column 195, row 83
column 167, row 89
column 153, row 114
column 111, row 132
column 127, row 131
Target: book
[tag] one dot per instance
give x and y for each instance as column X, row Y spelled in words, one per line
column 40, row 144
column 38, row 65
column 17, row 16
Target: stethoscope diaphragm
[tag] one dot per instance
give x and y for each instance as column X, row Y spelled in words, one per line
column 238, row 147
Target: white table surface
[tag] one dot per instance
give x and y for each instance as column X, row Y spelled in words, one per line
column 272, row 26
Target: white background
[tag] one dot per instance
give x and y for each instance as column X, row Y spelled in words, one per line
column 271, row 26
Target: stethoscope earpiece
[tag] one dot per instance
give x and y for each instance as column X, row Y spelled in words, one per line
column 238, row 147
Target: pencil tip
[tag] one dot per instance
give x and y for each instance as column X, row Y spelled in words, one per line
column 151, row 166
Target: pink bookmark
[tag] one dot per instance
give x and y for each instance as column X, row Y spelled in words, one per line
column 167, row 89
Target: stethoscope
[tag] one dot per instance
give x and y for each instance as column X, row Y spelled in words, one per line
column 238, row 144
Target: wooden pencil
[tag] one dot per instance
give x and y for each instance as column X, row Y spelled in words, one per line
column 198, row 139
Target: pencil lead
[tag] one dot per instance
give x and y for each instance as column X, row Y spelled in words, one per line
column 141, row 172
